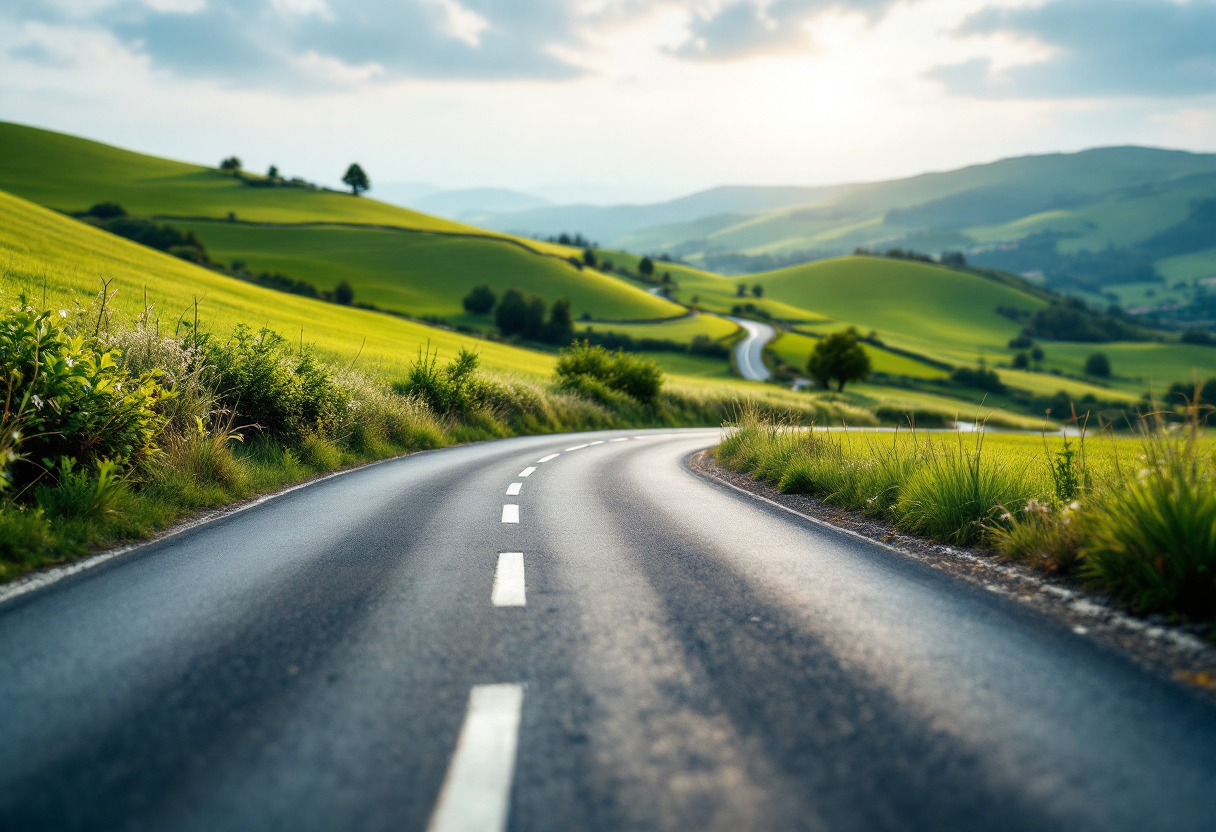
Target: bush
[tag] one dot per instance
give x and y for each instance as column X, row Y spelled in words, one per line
column 1097, row 365
column 80, row 495
column 76, row 399
column 344, row 293
column 480, row 300
column 978, row 377
column 586, row 369
column 263, row 383
column 453, row 390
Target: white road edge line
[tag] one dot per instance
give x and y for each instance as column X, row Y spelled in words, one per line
column 509, row 581
column 547, row 458
column 529, row 471
column 476, row 791
column 513, row 489
column 510, row 513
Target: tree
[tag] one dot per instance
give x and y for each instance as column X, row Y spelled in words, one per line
column 757, row 291
column 511, row 317
column 646, row 267
column 741, row 290
column 1021, row 361
column 273, row 172
column 534, row 319
column 838, row 357
column 356, row 179
column 589, row 257
column 1036, row 355
column 344, row 293
column 560, row 329
column 480, row 300
column 230, row 165
column 1097, row 365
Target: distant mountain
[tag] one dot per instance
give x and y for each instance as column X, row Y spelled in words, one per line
column 403, row 194
column 472, row 203
column 1091, row 221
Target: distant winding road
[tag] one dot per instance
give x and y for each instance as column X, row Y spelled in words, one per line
column 568, row 633
column 749, row 353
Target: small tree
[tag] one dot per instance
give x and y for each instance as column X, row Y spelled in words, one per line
column 646, row 267
column 480, row 300
column 838, row 357
column 1021, row 361
column 273, row 172
column 589, row 257
column 741, row 290
column 1097, row 365
column 356, row 179
column 344, row 293
column 560, row 329
column 757, row 291
column 511, row 317
column 534, row 320
column 230, row 165
column 1036, row 355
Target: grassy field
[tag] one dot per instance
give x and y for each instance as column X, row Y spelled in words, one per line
column 41, row 248
column 794, row 348
column 424, row 273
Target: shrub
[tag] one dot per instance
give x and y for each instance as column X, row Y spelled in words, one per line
column 80, row 495
column 78, row 401
column 344, row 293
column 592, row 370
column 259, row 379
column 978, row 377
column 480, row 300
column 1097, row 365
column 452, row 390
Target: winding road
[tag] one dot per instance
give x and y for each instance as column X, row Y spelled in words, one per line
column 568, row 633
column 749, row 353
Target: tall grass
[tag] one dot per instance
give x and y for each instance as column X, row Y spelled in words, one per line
column 1134, row 517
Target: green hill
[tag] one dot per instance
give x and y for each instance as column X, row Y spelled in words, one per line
column 398, row 259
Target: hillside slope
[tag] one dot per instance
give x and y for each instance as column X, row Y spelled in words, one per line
column 276, row 229
column 41, row 251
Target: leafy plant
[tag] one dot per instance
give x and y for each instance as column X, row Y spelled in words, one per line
column 594, row 371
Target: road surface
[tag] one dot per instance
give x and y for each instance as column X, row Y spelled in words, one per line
column 607, row 642
column 749, row 353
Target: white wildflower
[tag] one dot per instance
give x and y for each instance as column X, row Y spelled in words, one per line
column 37, row 401
column 63, row 313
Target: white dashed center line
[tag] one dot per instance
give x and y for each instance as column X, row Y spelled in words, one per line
column 620, row 439
column 529, row 471
column 509, row 581
column 513, row 489
column 596, row 442
column 576, row 448
column 547, row 458
column 510, row 513
column 476, row 792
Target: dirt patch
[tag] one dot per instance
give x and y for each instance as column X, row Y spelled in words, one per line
column 1179, row 652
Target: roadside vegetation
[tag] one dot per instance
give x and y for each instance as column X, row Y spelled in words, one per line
column 113, row 431
column 1130, row 515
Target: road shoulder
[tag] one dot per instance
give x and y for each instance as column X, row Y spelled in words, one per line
column 1172, row 651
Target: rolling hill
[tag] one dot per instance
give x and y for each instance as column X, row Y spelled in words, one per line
column 399, row 259
column 1095, row 222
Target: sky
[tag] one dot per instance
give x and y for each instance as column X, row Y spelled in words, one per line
column 612, row 100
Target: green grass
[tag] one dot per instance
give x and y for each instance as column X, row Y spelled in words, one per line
column 423, row 273
column 1132, row 517
column 682, row 330
column 1137, row 365
column 39, row 247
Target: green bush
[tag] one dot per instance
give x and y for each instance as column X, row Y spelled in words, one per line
column 259, row 379
column 76, row 400
column 452, row 390
column 594, row 371
column 80, row 495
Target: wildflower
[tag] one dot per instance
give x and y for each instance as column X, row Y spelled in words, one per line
column 63, row 313
column 37, row 402
column 70, row 362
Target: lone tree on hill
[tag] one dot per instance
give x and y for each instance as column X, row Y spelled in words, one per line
column 1097, row 365
column 356, row 179
column 273, row 172
column 646, row 267
column 480, row 300
column 757, row 291
column 230, row 165
column 838, row 357
column 344, row 293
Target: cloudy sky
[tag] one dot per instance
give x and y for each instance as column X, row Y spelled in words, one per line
column 631, row 99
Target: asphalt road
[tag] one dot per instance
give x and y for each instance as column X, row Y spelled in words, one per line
column 749, row 353
column 344, row 657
